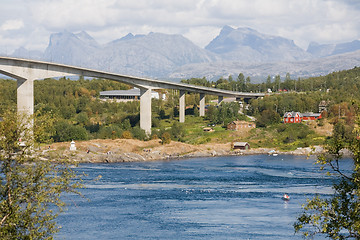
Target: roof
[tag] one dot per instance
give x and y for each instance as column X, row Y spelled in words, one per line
column 131, row 92
column 292, row 114
column 241, row 122
column 241, row 144
column 311, row 114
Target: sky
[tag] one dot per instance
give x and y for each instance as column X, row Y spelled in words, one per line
column 28, row 24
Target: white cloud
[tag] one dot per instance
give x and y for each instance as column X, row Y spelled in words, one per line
column 12, row 24
column 199, row 20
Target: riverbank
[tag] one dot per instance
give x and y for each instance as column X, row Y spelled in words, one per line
column 130, row 150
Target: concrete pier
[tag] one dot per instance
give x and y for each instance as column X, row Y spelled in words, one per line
column 182, row 106
column 202, row 104
column 145, row 110
column 25, row 96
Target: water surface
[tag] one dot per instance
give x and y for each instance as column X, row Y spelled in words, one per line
column 237, row 197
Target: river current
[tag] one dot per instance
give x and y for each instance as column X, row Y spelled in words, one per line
column 235, row 197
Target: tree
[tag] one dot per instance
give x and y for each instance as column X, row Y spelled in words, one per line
column 267, row 117
column 241, row 82
column 247, row 82
column 196, row 110
column 268, row 82
column 65, row 131
column 30, row 188
column 177, row 131
column 211, row 113
column 337, row 217
column 162, row 114
column 277, row 82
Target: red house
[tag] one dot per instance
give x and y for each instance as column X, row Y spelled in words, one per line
column 310, row 116
column 292, row 117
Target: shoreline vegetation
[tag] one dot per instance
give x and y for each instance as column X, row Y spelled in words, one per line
column 132, row 150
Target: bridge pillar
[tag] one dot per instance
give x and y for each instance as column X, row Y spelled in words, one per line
column 25, row 96
column 220, row 99
column 145, row 110
column 202, row 104
column 182, row 106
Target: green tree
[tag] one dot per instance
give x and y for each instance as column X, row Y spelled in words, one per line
column 177, row 131
column 162, row 114
column 336, row 217
column 241, row 82
column 31, row 189
column 196, row 110
column 65, row 131
column 268, row 82
column 247, row 82
column 211, row 113
column 277, row 82
column 267, row 117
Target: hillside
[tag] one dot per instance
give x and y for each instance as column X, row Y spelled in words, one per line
column 165, row 56
column 248, row 45
column 259, row 71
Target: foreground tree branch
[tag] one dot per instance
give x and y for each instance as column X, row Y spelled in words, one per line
column 339, row 216
column 30, row 188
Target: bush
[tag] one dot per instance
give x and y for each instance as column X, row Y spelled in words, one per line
column 65, row 131
column 165, row 138
column 112, row 131
column 154, row 136
column 138, row 133
column 177, row 131
column 126, row 135
column 267, row 117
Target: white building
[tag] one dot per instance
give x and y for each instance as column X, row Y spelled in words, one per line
column 128, row 95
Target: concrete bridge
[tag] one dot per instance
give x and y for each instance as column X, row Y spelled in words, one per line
column 25, row 71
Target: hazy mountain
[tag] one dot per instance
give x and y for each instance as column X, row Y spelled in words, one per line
column 324, row 50
column 155, row 54
column 24, row 53
column 248, row 45
column 167, row 56
column 73, row 49
column 259, row 71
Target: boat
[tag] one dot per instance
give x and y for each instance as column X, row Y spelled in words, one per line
column 286, row 197
column 273, row 153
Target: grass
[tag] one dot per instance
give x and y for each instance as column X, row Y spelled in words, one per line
column 286, row 137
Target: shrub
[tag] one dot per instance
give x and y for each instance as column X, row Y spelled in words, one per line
column 112, row 131
column 65, row 131
column 126, row 135
column 138, row 133
column 165, row 138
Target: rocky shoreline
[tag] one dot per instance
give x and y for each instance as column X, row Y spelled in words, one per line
column 130, row 150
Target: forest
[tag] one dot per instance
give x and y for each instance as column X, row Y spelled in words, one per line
column 80, row 114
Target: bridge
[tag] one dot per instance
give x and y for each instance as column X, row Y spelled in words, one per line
column 26, row 71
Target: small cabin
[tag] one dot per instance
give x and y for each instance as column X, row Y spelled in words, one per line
column 238, row 125
column 241, row 145
column 208, row 129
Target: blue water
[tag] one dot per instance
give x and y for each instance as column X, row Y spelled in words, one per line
column 236, row 197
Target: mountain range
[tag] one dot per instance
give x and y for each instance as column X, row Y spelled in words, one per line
column 165, row 56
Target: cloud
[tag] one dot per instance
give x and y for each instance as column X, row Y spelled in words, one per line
column 13, row 24
column 199, row 20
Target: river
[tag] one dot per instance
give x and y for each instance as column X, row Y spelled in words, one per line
column 235, row 197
